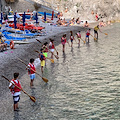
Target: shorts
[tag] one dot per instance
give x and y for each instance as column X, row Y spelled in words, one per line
column 32, row 76
column 16, row 99
column 43, row 63
column 63, row 43
column 95, row 32
column 45, row 54
column 78, row 38
column 71, row 40
column 52, row 50
column 87, row 36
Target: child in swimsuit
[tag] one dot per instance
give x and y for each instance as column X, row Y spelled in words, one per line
column 78, row 37
column 63, row 41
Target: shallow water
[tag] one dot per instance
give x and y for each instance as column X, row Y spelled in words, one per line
column 83, row 84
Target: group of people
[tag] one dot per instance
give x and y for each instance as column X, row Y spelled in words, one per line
column 31, row 71
column 63, row 22
column 43, row 55
column 64, row 39
column 104, row 24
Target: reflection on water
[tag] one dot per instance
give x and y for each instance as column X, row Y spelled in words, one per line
column 83, row 83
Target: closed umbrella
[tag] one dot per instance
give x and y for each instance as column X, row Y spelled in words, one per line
column 36, row 18
column 52, row 15
column 45, row 16
column 15, row 26
column 1, row 18
column 15, row 22
column 23, row 19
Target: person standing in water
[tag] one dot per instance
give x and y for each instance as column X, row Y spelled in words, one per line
column 42, row 59
column 71, row 38
column 78, row 37
column 31, row 71
column 87, row 36
column 51, row 47
column 45, row 50
column 15, row 91
column 96, row 28
column 63, row 41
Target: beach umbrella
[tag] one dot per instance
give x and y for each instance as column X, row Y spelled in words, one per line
column 52, row 15
column 36, row 18
column 15, row 21
column 45, row 16
column 23, row 19
column 0, row 29
column 1, row 17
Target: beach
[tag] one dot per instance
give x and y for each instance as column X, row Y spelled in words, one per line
column 78, row 81
column 10, row 63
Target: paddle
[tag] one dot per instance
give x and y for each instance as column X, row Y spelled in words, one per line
column 31, row 97
column 93, row 37
column 46, row 57
column 44, row 79
column 83, row 40
column 38, row 40
column 105, row 33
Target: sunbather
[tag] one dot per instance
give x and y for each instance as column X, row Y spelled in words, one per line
column 78, row 20
column 86, row 24
column 3, row 45
column 47, row 20
column 59, row 22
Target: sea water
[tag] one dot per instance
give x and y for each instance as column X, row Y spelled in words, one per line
column 84, row 84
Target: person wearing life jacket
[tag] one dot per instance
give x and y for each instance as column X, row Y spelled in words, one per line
column 15, row 91
column 87, row 35
column 71, row 38
column 78, row 37
column 63, row 41
column 96, row 28
column 45, row 50
column 42, row 59
column 31, row 71
column 51, row 47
